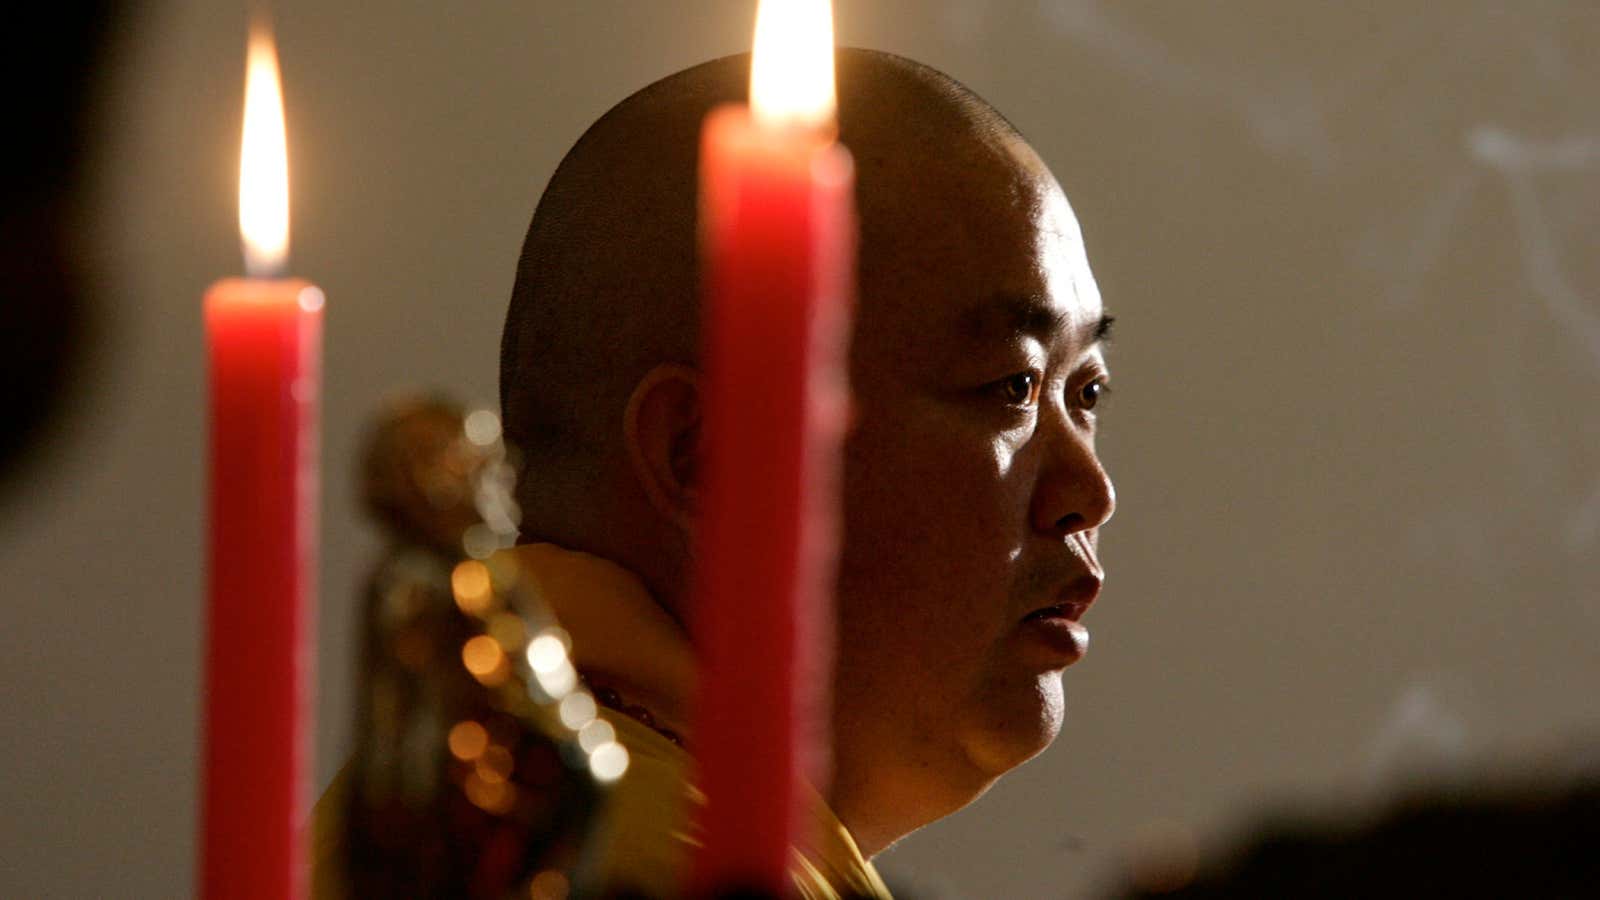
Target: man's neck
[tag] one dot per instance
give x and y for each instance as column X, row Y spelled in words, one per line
column 621, row 638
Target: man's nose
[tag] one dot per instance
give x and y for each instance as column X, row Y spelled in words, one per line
column 1073, row 492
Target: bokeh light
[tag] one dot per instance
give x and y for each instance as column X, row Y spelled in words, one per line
column 481, row 655
column 467, row 740
column 596, row 733
column 482, row 427
column 577, row 709
column 609, row 761
column 496, row 797
column 546, row 653
column 472, row 586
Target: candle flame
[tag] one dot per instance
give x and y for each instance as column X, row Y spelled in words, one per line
column 263, row 162
column 791, row 72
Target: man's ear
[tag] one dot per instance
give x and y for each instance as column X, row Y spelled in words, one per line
column 661, row 426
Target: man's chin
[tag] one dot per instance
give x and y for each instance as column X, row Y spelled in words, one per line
column 1010, row 731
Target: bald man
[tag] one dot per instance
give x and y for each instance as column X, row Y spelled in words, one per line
column 972, row 489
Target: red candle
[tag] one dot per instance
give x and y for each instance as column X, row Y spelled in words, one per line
column 778, row 242
column 263, row 340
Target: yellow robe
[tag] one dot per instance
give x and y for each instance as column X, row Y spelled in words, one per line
column 622, row 639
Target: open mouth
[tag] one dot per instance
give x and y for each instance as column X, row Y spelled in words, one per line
column 1058, row 611
column 1066, row 609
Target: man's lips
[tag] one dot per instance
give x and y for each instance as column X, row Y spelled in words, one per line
column 1071, row 602
column 1054, row 630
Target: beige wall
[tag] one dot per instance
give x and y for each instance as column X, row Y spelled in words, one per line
column 1355, row 430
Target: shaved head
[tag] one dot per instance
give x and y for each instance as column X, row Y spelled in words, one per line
column 972, row 491
column 607, row 285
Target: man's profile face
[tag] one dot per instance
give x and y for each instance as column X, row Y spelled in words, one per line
column 972, row 487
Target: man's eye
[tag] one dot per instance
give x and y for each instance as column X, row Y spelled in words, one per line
column 1021, row 389
column 1092, row 393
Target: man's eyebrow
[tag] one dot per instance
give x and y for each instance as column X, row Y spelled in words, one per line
column 1008, row 315
column 1102, row 329
column 1011, row 315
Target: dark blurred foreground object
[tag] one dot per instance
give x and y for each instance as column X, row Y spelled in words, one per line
column 1523, row 843
column 44, row 311
column 465, row 782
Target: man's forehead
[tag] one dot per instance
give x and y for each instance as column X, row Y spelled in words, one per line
column 1061, row 298
column 987, row 253
column 1063, row 261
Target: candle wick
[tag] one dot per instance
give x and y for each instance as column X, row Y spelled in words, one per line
column 263, row 265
